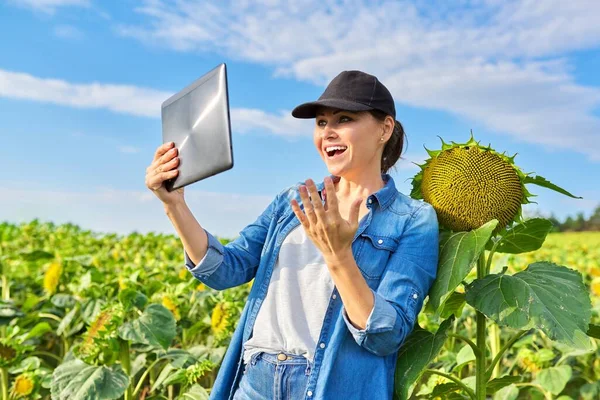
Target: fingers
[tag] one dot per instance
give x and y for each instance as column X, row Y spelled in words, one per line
column 316, row 201
column 162, row 150
column 166, row 157
column 331, row 200
column 163, row 167
column 301, row 216
column 308, row 206
column 155, row 181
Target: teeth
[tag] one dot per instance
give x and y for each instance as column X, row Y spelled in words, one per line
column 332, row 148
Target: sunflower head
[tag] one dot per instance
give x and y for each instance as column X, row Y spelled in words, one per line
column 183, row 274
column 22, row 386
column 8, row 354
column 201, row 287
column 52, row 277
column 595, row 286
column 100, row 333
column 469, row 184
column 221, row 319
column 170, row 305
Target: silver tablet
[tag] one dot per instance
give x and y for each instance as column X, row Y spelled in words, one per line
column 197, row 120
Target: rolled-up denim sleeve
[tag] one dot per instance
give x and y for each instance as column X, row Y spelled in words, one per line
column 406, row 281
column 233, row 264
column 211, row 260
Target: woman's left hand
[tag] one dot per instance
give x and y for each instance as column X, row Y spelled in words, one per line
column 324, row 225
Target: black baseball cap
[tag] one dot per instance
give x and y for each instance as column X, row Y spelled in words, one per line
column 351, row 91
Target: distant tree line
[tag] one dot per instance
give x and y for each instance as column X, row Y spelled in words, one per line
column 578, row 223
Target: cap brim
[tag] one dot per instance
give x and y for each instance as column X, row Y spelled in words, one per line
column 309, row 110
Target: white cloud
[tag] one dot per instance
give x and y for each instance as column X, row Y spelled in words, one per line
column 500, row 63
column 68, row 32
column 120, row 98
column 245, row 120
column 123, row 211
column 135, row 100
column 49, row 6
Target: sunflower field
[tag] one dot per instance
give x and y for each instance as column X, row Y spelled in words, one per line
column 88, row 316
column 513, row 314
column 95, row 316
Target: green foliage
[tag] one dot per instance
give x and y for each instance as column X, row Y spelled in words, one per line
column 155, row 327
column 123, row 309
column 543, row 296
column 459, row 251
column 76, row 380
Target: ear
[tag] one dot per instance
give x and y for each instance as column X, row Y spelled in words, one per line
column 389, row 125
column 387, row 128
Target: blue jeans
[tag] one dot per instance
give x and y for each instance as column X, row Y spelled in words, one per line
column 266, row 376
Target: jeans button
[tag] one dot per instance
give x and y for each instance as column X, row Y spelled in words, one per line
column 281, row 357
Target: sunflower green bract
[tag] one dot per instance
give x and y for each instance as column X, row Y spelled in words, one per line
column 469, row 184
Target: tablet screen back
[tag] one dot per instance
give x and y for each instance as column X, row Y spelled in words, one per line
column 197, row 120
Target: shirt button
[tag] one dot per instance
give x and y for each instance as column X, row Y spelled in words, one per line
column 415, row 296
column 334, row 297
column 380, row 241
column 322, row 345
column 370, row 201
column 309, row 393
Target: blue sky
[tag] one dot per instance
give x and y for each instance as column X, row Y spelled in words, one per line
column 82, row 81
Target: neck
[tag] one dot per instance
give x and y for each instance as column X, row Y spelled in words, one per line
column 351, row 188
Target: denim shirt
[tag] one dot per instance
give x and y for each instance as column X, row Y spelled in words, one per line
column 396, row 249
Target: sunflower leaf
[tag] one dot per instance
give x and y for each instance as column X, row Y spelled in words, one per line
column 524, row 237
column 76, row 380
column 416, row 193
column 510, row 392
column 459, row 251
column 35, row 255
column 554, row 379
column 454, row 304
column 543, row 296
column 594, row 331
column 498, row 383
column 417, row 351
column 541, row 181
column 155, row 327
column 196, row 392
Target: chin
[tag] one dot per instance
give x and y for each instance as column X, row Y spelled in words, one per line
column 335, row 170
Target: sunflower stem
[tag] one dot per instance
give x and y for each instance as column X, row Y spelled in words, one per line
column 143, row 377
column 498, row 356
column 480, row 358
column 126, row 364
column 490, row 256
column 494, row 333
column 5, row 288
column 466, row 340
column 4, row 383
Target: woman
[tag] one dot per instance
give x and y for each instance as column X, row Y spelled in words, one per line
column 341, row 267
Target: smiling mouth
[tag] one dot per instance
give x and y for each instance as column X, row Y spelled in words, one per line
column 334, row 154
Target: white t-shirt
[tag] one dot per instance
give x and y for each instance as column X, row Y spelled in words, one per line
column 291, row 316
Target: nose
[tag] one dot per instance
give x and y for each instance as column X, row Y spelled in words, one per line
column 328, row 132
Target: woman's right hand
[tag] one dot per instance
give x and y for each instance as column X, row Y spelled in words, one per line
column 163, row 167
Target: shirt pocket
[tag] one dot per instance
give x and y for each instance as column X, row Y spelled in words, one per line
column 375, row 251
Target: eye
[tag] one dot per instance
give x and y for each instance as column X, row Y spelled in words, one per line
column 345, row 118
column 321, row 122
